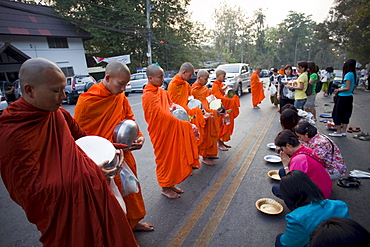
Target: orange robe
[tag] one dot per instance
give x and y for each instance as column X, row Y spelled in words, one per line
column 256, row 89
column 98, row 111
column 179, row 92
column 208, row 148
column 231, row 105
column 175, row 146
column 63, row 192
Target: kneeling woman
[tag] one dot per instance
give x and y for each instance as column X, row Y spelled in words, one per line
column 309, row 209
column 296, row 156
column 324, row 147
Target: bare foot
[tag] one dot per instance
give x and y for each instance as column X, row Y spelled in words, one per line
column 143, row 227
column 208, row 162
column 222, row 148
column 213, row 157
column 177, row 189
column 228, row 146
column 169, row 193
column 256, row 107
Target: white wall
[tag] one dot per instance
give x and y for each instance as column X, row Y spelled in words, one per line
column 74, row 56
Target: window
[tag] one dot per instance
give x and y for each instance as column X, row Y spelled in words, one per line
column 57, row 42
column 68, row 71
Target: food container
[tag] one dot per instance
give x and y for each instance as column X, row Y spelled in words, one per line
column 269, row 206
column 230, row 93
column 99, row 150
column 181, row 114
column 272, row 158
column 217, row 105
column 195, row 103
column 126, row 132
column 274, row 174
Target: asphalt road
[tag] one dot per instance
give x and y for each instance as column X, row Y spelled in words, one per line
column 218, row 206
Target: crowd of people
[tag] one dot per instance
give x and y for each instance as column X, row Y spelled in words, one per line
column 68, row 197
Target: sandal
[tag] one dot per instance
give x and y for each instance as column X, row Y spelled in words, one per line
column 356, row 129
column 357, row 136
column 365, row 137
column 349, row 182
column 350, row 130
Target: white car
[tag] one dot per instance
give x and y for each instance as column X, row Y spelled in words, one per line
column 237, row 77
column 138, row 81
column 3, row 103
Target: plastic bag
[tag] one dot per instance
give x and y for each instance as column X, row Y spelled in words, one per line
column 129, row 180
column 273, row 90
column 290, row 94
column 117, row 194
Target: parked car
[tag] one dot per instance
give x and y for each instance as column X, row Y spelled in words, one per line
column 138, row 81
column 77, row 85
column 128, row 87
column 338, row 78
column 3, row 103
column 237, row 77
column 17, row 89
column 264, row 73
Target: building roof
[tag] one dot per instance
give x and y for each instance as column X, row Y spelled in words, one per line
column 13, row 52
column 36, row 20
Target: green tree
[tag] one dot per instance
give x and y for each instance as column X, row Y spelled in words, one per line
column 349, row 28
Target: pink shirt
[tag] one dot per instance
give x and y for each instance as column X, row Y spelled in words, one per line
column 313, row 168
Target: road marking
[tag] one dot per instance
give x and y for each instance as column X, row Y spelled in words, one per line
column 184, row 231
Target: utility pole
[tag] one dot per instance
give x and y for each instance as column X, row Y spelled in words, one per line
column 149, row 54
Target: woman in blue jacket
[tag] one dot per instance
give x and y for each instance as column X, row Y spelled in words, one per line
column 309, row 209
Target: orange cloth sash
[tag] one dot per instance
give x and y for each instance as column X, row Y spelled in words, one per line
column 175, row 146
column 231, row 105
column 63, row 192
column 208, row 147
column 257, row 89
column 98, row 111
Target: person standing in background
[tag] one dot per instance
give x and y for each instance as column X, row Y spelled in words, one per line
column 313, row 78
column 283, row 94
column 300, row 86
column 343, row 101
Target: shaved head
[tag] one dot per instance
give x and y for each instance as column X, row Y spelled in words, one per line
column 34, row 71
column 202, row 72
column 220, row 72
column 187, row 67
column 114, row 67
column 153, row 70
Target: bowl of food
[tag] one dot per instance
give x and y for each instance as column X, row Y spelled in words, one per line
column 272, row 158
column 229, row 93
column 274, row 174
column 126, row 132
column 193, row 103
column 269, row 206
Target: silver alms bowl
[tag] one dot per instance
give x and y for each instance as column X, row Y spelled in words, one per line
column 126, row 132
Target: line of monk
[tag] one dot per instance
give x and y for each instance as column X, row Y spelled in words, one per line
column 63, row 192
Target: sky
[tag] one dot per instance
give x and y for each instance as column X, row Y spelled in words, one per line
column 275, row 10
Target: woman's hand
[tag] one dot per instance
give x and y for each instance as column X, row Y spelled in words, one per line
column 285, row 159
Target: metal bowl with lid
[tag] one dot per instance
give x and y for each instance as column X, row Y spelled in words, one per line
column 126, row 132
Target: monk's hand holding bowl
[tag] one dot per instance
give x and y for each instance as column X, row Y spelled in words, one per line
column 138, row 143
column 111, row 172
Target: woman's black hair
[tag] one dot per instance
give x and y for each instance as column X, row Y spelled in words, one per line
column 289, row 106
column 289, row 119
column 329, row 69
column 298, row 190
column 304, row 127
column 286, row 137
column 349, row 66
column 288, row 66
column 311, row 68
column 303, row 64
column 340, row 232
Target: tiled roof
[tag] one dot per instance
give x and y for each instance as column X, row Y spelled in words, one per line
column 35, row 20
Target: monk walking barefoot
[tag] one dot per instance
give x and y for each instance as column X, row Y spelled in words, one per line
column 172, row 138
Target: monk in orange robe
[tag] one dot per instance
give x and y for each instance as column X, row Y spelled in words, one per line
column 63, row 192
column 98, row 111
column 257, row 89
column 208, row 147
column 232, row 109
column 179, row 92
column 175, row 146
